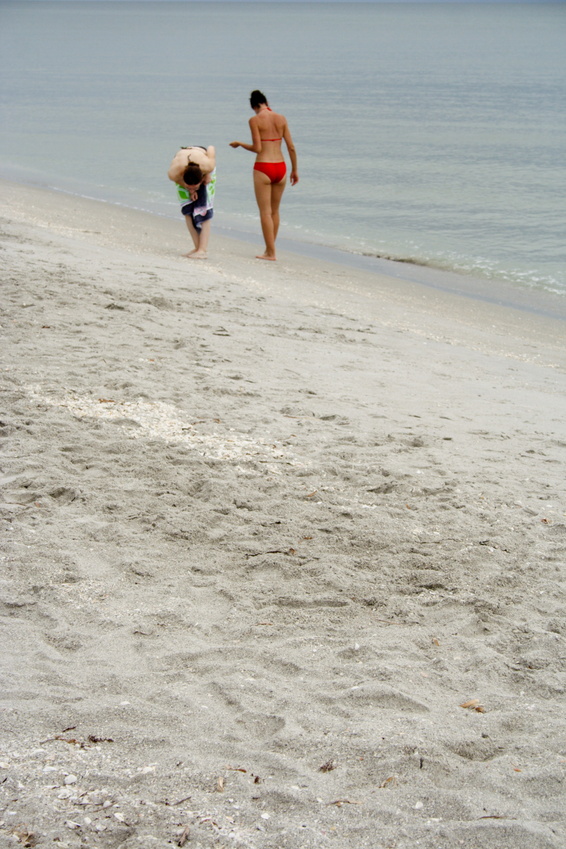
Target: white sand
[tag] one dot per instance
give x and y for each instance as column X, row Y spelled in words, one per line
column 268, row 527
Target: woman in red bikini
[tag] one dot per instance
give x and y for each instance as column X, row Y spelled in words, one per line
column 268, row 130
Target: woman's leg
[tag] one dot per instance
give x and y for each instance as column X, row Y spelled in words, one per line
column 268, row 197
column 277, row 190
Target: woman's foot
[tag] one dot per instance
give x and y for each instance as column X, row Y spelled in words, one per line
column 266, row 256
column 197, row 254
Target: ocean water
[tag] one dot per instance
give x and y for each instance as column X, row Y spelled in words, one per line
column 428, row 133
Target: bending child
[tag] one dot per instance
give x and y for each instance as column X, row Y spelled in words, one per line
column 193, row 171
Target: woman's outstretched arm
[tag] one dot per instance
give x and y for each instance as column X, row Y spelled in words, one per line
column 255, row 146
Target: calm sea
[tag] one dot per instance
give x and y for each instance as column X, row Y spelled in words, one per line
column 430, row 133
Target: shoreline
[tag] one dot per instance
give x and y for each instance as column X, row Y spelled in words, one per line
column 284, row 548
column 497, row 291
column 425, row 307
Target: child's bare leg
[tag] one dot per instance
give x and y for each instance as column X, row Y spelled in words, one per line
column 194, row 234
column 202, row 245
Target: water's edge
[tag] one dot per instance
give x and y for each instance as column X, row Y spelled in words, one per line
column 498, row 293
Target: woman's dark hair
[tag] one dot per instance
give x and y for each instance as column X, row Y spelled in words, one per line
column 193, row 175
column 257, row 98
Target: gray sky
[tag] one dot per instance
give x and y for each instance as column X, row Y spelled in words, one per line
column 552, row 2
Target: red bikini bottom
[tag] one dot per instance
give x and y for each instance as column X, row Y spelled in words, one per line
column 275, row 170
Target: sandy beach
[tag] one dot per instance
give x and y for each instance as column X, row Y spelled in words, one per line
column 283, row 549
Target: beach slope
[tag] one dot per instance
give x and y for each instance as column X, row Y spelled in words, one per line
column 283, row 549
